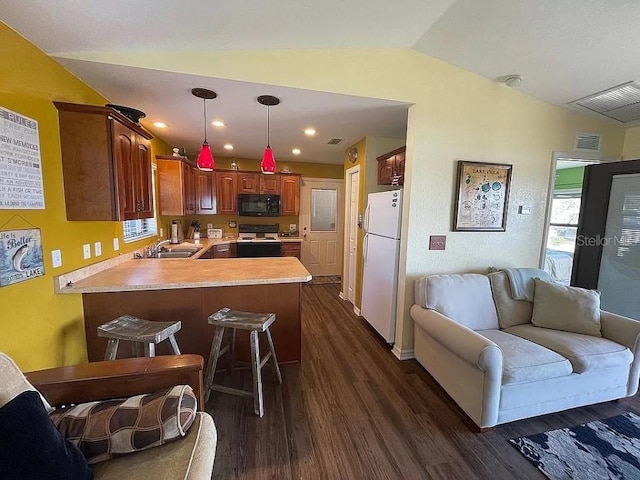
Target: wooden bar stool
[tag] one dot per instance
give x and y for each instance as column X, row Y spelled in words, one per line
column 138, row 331
column 256, row 323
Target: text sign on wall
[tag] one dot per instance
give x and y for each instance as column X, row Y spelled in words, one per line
column 20, row 256
column 20, row 162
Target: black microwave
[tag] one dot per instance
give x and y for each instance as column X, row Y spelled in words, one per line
column 258, row 205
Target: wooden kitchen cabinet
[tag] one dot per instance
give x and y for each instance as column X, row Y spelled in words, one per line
column 106, row 164
column 205, row 192
column 176, row 185
column 227, row 192
column 223, row 250
column 248, row 182
column 291, row 249
column 289, row 194
column 391, row 165
column 270, row 184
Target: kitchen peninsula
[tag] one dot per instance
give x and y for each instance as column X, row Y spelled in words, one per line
column 190, row 290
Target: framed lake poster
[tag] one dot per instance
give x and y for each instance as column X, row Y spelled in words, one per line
column 482, row 197
column 20, row 256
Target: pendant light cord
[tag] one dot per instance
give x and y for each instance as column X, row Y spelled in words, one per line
column 204, row 108
column 268, row 126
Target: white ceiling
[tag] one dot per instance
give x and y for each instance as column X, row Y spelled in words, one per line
column 565, row 49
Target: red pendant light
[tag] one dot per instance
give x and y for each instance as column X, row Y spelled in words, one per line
column 268, row 164
column 205, row 160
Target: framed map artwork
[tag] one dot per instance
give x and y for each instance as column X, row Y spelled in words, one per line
column 482, row 197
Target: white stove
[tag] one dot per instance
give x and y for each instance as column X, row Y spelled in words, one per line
column 258, row 238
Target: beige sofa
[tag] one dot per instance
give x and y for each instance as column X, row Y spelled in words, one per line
column 481, row 347
column 190, row 458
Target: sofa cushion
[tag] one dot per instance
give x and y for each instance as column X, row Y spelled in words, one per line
column 464, row 298
column 32, row 447
column 525, row 361
column 189, row 458
column 109, row 428
column 14, row 382
column 585, row 352
column 571, row 309
column 510, row 312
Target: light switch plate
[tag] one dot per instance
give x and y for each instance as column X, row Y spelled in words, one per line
column 56, row 258
column 116, row 244
column 97, row 249
column 86, row 251
column 161, row 232
column 437, row 242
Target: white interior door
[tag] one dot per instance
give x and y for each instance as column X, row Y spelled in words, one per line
column 321, row 222
column 352, row 180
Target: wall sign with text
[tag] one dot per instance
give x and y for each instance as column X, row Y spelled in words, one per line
column 482, row 197
column 20, row 163
column 20, row 256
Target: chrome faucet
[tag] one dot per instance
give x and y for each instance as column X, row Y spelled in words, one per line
column 153, row 250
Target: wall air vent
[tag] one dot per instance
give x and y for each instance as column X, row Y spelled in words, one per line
column 335, row 141
column 621, row 103
column 588, row 142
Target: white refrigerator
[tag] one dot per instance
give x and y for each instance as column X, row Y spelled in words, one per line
column 381, row 250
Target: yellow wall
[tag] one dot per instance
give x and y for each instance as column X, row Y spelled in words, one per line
column 455, row 115
column 631, row 149
column 38, row 328
column 306, row 169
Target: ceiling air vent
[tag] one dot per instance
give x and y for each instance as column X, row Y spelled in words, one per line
column 588, row 142
column 621, row 103
column 334, row 141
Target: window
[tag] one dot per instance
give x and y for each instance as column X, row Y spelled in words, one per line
column 563, row 228
column 323, row 210
column 133, row 230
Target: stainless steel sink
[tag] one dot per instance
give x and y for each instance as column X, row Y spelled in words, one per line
column 190, row 250
column 175, row 254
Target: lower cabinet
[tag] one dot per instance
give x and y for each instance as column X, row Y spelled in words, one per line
column 224, row 250
column 291, row 249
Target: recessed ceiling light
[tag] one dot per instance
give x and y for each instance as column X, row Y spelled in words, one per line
column 160, row 124
column 217, row 123
column 228, row 146
column 310, row 131
column 296, row 151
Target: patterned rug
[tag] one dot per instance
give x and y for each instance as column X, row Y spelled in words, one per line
column 605, row 449
column 325, row 279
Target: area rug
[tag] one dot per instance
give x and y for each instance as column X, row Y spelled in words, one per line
column 605, row 449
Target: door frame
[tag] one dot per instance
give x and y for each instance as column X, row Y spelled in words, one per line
column 337, row 181
column 347, row 230
column 577, row 157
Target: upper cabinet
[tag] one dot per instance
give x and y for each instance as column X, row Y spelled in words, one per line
column 391, row 166
column 176, row 191
column 289, row 194
column 106, row 164
column 227, row 192
column 205, row 192
column 270, row 184
column 248, row 182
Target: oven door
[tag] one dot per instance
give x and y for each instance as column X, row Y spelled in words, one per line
column 258, row 249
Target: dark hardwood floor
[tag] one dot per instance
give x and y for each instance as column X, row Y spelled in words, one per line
column 351, row 410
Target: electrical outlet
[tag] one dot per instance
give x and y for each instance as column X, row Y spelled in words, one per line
column 161, row 232
column 116, row 244
column 209, row 225
column 292, row 227
column 97, row 248
column 437, row 242
column 86, row 251
column 56, row 258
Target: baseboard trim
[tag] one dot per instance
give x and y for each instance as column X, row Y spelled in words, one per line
column 341, row 295
column 403, row 354
column 356, row 310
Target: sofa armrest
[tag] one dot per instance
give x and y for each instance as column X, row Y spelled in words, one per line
column 624, row 331
column 119, row 378
column 464, row 342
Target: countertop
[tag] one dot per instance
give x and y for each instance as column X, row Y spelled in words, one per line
column 165, row 274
